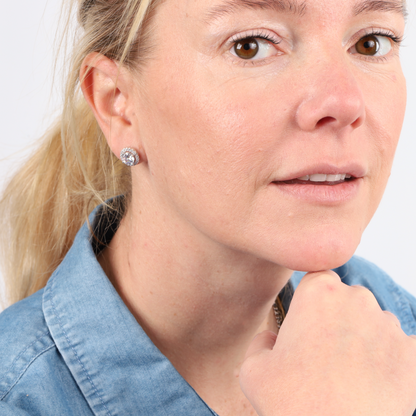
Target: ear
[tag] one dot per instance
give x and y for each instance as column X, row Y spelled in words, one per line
column 107, row 89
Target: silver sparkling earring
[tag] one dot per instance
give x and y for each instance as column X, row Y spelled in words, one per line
column 129, row 157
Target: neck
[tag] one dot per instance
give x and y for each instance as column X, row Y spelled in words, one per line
column 200, row 304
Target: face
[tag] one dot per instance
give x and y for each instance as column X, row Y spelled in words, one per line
column 270, row 126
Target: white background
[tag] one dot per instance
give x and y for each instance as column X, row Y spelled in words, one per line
column 27, row 29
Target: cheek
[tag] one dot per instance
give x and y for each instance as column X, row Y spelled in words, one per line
column 210, row 137
column 385, row 115
column 211, row 149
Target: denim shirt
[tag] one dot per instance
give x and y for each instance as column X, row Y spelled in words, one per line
column 74, row 348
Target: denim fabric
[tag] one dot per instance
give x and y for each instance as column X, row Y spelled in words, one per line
column 74, row 348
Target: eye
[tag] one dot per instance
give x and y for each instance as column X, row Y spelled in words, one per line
column 253, row 47
column 373, row 45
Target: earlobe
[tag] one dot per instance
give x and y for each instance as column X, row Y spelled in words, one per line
column 102, row 84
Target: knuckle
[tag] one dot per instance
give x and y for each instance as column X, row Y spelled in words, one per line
column 252, row 369
column 365, row 297
column 322, row 281
column 393, row 318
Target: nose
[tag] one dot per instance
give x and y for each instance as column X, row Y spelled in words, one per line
column 332, row 97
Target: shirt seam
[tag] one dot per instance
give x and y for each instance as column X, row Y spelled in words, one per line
column 74, row 350
column 28, row 365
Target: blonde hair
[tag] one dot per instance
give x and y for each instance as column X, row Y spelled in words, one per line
column 73, row 170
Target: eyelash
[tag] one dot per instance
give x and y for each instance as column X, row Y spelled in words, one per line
column 397, row 40
column 376, row 32
column 254, row 34
column 257, row 34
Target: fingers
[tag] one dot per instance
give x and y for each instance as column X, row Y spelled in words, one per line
column 328, row 282
column 336, row 297
column 364, row 292
column 315, row 291
column 263, row 341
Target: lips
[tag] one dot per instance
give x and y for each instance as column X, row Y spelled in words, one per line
column 322, row 184
column 323, row 174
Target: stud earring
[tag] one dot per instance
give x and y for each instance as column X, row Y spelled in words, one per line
column 129, row 157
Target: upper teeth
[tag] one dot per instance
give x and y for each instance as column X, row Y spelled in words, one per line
column 322, row 177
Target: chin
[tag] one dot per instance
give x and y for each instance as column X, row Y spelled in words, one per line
column 322, row 254
column 319, row 264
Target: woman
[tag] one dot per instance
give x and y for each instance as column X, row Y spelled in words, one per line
column 257, row 142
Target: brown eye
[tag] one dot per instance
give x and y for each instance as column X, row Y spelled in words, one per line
column 368, row 45
column 246, row 48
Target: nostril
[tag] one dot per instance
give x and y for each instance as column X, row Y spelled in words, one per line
column 358, row 122
column 324, row 121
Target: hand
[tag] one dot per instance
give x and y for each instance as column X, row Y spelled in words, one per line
column 337, row 353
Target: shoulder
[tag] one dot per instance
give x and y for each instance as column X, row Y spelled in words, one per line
column 24, row 337
column 389, row 295
column 33, row 376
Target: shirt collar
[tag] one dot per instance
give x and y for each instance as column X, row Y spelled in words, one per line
column 116, row 366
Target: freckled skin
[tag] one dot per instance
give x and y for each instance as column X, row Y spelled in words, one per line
column 217, row 133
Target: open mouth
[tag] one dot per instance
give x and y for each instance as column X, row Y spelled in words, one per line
column 319, row 179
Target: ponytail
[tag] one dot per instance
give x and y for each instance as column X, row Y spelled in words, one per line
column 73, row 170
column 48, row 200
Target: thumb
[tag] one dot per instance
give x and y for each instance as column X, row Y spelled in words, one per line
column 263, row 341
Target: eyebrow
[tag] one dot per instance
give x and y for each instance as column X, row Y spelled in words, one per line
column 231, row 6
column 297, row 7
column 368, row 6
